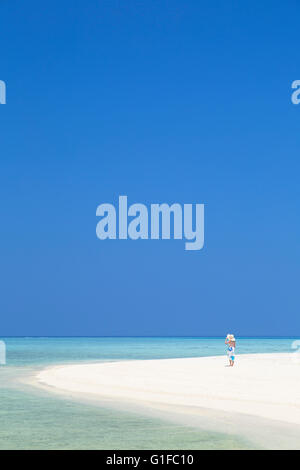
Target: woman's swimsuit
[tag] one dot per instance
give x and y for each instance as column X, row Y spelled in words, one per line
column 230, row 352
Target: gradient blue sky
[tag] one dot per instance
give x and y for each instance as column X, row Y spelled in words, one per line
column 164, row 101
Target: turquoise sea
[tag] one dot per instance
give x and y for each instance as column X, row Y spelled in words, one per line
column 32, row 418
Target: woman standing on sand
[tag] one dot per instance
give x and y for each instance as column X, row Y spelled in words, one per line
column 230, row 341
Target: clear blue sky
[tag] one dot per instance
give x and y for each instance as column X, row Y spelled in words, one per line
column 164, row 101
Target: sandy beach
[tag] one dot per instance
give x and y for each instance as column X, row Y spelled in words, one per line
column 262, row 385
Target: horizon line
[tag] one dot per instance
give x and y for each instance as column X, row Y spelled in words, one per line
column 149, row 336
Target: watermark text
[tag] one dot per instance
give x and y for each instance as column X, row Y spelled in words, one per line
column 160, row 221
column 2, row 353
column 2, row 92
column 296, row 93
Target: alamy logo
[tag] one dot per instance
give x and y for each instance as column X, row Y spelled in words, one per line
column 138, row 226
column 2, row 353
column 2, row 92
column 296, row 353
column 296, row 93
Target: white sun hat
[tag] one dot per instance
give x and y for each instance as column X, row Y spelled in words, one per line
column 231, row 337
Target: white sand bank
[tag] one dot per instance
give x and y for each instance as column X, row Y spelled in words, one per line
column 262, row 385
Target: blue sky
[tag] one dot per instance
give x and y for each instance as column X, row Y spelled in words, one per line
column 163, row 101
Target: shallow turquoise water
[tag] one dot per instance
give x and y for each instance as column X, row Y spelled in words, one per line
column 45, row 351
column 34, row 419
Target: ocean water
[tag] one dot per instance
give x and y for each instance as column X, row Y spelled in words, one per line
column 31, row 418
